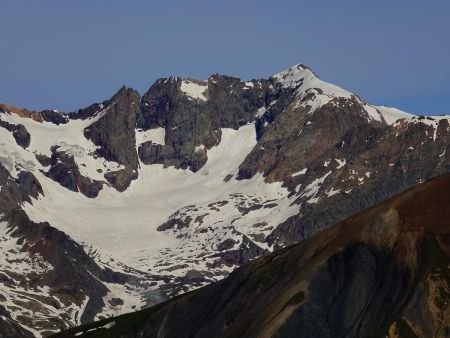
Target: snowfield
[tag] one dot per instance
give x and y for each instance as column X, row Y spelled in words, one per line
column 119, row 230
column 123, row 226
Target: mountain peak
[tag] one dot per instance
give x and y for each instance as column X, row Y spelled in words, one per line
column 124, row 90
column 293, row 76
column 301, row 78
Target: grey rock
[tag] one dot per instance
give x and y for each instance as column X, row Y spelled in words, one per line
column 64, row 170
column 114, row 133
column 20, row 133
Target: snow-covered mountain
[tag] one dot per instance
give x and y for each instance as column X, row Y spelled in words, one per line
column 136, row 199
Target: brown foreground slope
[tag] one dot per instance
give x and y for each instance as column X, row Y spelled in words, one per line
column 382, row 272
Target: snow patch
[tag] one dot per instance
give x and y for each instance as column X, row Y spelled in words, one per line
column 301, row 172
column 199, row 148
column 260, row 112
column 301, row 78
column 341, row 163
column 332, row 192
column 374, row 114
column 391, row 115
column 312, row 189
column 156, row 135
column 195, row 90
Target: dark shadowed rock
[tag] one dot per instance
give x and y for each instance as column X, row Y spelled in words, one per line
column 22, row 136
column 20, row 133
column 121, row 179
column 54, row 117
column 10, row 329
column 29, row 186
column 44, row 160
column 114, row 133
column 246, row 251
column 65, row 171
column 88, row 112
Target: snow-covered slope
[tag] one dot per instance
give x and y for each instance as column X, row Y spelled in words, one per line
column 120, row 229
column 67, row 137
column 123, row 226
column 306, row 83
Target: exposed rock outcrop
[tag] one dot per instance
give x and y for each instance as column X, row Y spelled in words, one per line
column 20, row 133
column 193, row 125
column 65, row 171
column 114, row 133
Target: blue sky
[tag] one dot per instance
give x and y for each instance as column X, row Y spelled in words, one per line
column 66, row 55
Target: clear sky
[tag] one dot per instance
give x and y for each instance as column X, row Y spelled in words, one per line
column 68, row 54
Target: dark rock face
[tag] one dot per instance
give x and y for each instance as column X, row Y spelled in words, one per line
column 121, row 179
column 226, row 244
column 22, row 136
column 10, row 329
column 392, row 159
column 89, row 188
column 191, row 123
column 44, row 160
column 29, row 186
column 246, row 251
column 19, row 132
column 157, row 103
column 89, row 112
column 54, row 117
column 428, row 308
column 114, row 133
column 10, row 194
column 64, row 170
column 358, row 292
column 296, row 138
